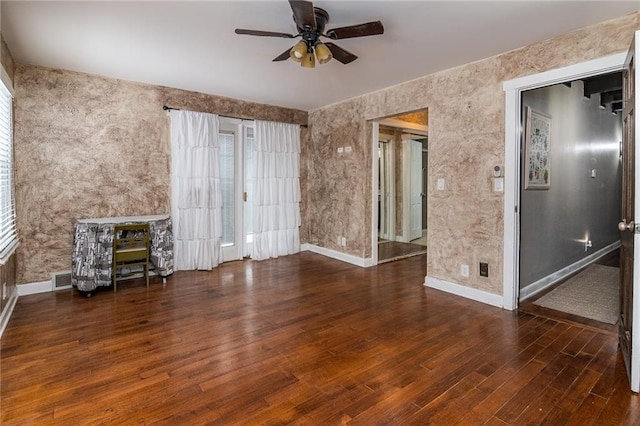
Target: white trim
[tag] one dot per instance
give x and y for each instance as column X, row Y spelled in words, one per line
column 8, row 252
column 598, row 66
column 545, row 282
column 344, row 257
column 5, row 316
column 464, row 291
column 374, row 195
column 513, row 89
column 34, row 288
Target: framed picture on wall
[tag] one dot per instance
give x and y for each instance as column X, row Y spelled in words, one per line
column 537, row 150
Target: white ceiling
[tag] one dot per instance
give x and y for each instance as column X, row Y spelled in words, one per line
column 192, row 45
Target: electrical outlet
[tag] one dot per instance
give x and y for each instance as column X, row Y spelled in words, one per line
column 339, row 240
column 464, row 270
column 484, row 269
column 343, row 242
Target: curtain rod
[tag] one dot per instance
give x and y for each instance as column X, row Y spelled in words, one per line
column 168, row 108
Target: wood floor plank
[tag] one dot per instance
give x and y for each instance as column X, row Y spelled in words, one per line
column 302, row 339
column 588, row 411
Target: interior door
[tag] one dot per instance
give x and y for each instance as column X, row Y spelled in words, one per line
column 628, row 325
column 416, row 190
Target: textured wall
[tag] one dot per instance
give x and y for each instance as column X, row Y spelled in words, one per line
column 87, row 146
column 466, row 139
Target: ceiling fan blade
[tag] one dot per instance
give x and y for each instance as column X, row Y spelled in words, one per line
column 361, row 30
column 263, row 33
column 283, row 57
column 303, row 13
column 341, row 55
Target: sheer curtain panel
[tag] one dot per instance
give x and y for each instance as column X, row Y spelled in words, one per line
column 276, row 207
column 196, row 199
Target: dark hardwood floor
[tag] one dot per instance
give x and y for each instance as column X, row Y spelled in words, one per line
column 302, row 339
column 390, row 251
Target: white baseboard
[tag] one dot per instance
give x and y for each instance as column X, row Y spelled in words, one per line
column 545, row 282
column 354, row 260
column 464, row 291
column 8, row 310
column 34, row 288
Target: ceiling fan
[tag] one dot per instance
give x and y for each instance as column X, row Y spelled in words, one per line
column 310, row 22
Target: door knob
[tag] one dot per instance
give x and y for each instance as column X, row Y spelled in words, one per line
column 624, row 226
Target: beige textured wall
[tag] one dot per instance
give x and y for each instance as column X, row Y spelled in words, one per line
column 466, row 139
column 87, row 146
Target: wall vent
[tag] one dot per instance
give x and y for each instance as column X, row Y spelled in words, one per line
column 61, row 280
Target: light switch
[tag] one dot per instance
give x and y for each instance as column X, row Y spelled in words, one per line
column 593, row 173
column 347, row 149
column 441, row 184
column 340, row 149
column 498, row 184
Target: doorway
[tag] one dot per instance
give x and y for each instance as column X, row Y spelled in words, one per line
column 570, row 196
column 236, row 176
column 513, row 90
column 400, row 191
column 512, row 167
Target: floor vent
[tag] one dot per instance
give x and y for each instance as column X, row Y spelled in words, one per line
column 61, row 280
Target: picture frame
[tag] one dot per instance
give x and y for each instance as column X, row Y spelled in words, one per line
column 537, row 150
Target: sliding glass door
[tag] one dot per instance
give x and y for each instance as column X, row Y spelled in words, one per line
column 236, row 177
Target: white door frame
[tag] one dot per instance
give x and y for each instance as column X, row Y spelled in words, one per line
column 386, row 184
column 513, row 89
column 375, row 131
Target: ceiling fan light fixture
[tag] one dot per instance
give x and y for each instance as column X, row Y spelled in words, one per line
column 308, row 60
column 298, row 52
column 323, row 53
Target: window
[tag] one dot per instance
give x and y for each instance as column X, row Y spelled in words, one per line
column 8, row 237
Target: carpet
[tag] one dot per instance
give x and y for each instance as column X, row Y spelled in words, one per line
column 592, row 293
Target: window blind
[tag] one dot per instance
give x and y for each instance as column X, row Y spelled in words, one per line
column 7, row 199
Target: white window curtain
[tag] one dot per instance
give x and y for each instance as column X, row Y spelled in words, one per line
column 196, row 194
column 276, row 207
